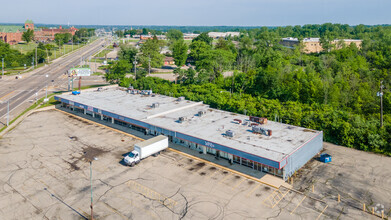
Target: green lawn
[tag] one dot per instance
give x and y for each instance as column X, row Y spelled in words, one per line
column 103, row 53
column 24, row 48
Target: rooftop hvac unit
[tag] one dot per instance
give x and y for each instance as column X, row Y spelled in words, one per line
column 258, row 119
column 238, row 120
column 146, row 92
column 201, row 113
column 260, row 130
column 182, row 98
column 182, row 119
column 230, row 133
column 155, row 105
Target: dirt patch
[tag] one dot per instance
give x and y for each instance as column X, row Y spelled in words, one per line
column 191, row 169
column 257, row 195
column 202, row 164
column 237, row 177
column 202, row 173
column 89, row 153
column 190, row 160
column 250, row 182
column 225, row 172
column 212, row 168
column 267, row 188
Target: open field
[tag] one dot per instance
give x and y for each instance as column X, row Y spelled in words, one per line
column 45, row 174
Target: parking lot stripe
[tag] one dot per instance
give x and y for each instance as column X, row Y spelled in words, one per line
column 223, row 168
column 256, row 187
column 213, row 174
column 241, row 181
column 298, row 205
column 225, row 178
column 115, row 211
column 322, row 212
column 93, row 122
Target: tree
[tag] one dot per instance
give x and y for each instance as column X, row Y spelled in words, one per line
column 179, row 52
column 174, row 35
column 127, row 53
column 197, row 48
column 326, row 41
column 204, row 37
column 59, row 39
column 118, row 70
column 28, row 35
column 215, row 61
column 150, row 50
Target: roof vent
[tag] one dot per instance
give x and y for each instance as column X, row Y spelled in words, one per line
column 182, row 119
column 201, row 113
column 230, row 133
column 182, row 98
column 155, row 105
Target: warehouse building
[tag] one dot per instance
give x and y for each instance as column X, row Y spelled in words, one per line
column 275, row 148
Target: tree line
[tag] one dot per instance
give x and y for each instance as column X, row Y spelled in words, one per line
column 334, row 91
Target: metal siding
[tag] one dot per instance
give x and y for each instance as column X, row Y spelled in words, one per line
column 304, row 154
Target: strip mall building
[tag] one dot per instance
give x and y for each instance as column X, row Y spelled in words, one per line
column 275, row 148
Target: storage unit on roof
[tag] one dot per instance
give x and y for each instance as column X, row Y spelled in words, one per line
column 261, row 144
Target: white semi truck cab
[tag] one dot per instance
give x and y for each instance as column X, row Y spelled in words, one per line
column 145, row 149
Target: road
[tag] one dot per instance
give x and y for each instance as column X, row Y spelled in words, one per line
column 20, row 93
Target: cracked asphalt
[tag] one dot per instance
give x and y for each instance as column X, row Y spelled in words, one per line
column 44, row 174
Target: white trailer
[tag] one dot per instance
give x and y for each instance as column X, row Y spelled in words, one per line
column 145, row 149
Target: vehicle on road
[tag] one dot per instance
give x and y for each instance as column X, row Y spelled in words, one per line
column 145, row 149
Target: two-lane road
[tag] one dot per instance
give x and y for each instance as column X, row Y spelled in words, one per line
column 20, row 92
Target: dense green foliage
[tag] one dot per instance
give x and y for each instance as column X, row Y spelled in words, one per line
column 179, row 52
column 334, row 91
column 28, row 35
column 62, row 38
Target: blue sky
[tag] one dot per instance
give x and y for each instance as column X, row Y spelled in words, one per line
column 198, row 12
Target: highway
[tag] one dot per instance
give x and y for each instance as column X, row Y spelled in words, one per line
column 22, row 92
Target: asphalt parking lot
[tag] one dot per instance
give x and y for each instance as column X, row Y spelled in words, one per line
column 45, row 174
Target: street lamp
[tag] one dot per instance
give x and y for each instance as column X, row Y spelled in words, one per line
column 92, row 208
column 46, row 86
column 135, row 71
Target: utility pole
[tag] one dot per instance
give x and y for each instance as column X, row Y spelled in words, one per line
column 149, row 65
column 135, row 68
column 8, row 112
column 381, row 103
column 46, row 86
column 2, row 67
column 36, row 56
column 32, row 64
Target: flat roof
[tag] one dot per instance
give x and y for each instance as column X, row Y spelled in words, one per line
column 285, row 139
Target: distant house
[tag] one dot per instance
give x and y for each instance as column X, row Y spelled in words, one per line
column 169, row 61
column 313, row 45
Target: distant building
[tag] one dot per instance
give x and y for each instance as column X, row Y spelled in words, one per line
column 13, row 34
column 146, row 37
column 169, row 61
column 189, row 36
column 217, row 35
column 312, row 45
